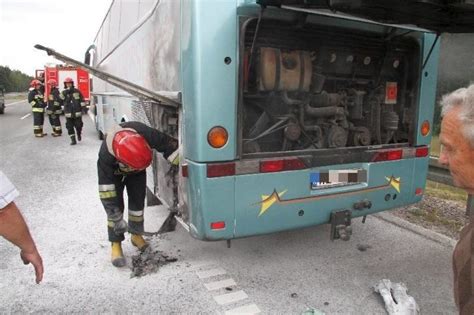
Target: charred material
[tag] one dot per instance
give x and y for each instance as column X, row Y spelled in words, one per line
column 148, row 262
column 313, row 88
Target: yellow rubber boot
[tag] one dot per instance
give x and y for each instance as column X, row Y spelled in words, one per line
column 117, row 255
column 139, row 242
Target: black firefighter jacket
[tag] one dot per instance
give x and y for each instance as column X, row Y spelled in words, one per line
column 54, row 103
column 36, row 100
column 73, row 102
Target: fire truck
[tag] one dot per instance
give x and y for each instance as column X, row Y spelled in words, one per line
column 60, row 72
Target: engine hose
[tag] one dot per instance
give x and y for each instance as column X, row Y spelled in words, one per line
column 323, row 111
column 289, row 101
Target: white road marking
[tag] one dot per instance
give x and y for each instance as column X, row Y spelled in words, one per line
column 219, row 284
column 230, row 297
column 29, row 114
column 210, row 273
column 10, row 104
column 246, row 309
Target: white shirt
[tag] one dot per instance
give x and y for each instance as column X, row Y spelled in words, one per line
column 8, row 192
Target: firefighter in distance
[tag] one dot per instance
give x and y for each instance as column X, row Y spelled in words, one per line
column 54, row 108
column 36, row 100
column 74, row 105
column 123, row 157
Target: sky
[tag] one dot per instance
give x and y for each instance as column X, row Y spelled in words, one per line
column 67, row 26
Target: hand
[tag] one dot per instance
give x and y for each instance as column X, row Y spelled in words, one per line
column 35, row 259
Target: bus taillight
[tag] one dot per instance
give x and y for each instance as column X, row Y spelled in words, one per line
column 390, row 155
column 281, row 165
column 422, row 152
column 293, row 164
column 220, row 170
column 218, row 225
column 271, row 166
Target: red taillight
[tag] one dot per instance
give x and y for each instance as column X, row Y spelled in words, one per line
column 281, row 165
column 219, row 170
column 388, row 155
column 271, row 166
column 293, row 164
column 218, row 225
column 184, row 171
column 422, row 152
column 419, row 191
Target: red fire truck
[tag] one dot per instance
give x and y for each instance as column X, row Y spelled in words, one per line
column 60, row 72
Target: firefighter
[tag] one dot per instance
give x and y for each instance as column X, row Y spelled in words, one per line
column 74, row 105
column 54, row 108
column 36, row 99
column 123, row 157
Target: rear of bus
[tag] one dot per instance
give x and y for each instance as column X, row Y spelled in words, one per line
column 298, row 118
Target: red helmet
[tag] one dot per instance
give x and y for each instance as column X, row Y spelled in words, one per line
column 52, row 82
column 68, row 80
column 131, row 149
column 35, row 83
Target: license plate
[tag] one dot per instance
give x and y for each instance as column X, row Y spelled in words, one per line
column 337, row 178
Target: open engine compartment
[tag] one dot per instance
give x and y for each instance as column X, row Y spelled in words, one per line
column 313, row 87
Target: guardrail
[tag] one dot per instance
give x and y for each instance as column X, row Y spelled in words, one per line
column 440, row 174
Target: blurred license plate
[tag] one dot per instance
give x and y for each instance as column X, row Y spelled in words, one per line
column 337, row 178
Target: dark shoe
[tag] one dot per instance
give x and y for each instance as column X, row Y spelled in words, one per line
column 79, row 137
column 73, row 140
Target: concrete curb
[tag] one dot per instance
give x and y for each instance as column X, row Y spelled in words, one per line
column 426, row 233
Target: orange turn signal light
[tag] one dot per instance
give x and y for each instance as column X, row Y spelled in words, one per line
column 217, row 137
column 425, row 128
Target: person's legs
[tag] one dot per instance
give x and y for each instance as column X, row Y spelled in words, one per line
column 38, row 121
column 136, row 190
column 70, row 130
column 111, row 196
column 55, row 125
column 78, row 124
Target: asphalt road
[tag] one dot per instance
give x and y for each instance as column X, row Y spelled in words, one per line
column 285, row 273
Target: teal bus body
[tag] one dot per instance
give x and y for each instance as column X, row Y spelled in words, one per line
column 237, row 200
column 210, row 99
column 208, row 77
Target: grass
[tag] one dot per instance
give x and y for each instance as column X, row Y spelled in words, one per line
column 435, row 146
column 15, row 97
column 445, row 191
column 437, row 217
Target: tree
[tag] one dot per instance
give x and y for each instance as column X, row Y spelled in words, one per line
column 14, row 80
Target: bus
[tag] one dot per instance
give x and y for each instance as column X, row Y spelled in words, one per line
column 289, row 113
